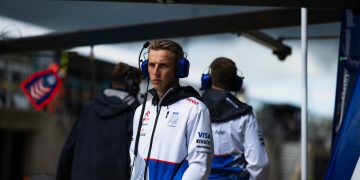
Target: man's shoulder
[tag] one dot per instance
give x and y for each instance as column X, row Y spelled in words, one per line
column 193, row 100
column 192, row 103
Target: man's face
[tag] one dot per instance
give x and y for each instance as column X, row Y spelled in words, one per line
column 161, row 69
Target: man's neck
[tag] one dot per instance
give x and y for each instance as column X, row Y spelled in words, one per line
column 218, row 88
column 161, row 94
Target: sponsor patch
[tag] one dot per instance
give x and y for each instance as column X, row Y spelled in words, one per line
column 147, row 116
column 204, row 135
column 261, row 138
column 142, row 132
column 204, row 147
column 192, row 101
column 201, row 141
column 205, row 152
column 173, row 119
column 219, row 132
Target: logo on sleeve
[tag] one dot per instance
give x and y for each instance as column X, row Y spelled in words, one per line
column 204, row 135
column 261, row 138
column 203, row 143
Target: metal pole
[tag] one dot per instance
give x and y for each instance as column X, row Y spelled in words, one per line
column 304, row 95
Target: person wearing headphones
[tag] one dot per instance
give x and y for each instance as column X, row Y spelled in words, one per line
column 239, row 150
column 173, row 139
column 98, row 145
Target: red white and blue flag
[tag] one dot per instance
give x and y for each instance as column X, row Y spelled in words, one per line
column 41, row 87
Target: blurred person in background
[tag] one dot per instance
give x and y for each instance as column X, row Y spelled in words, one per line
column 239, row 150
column 98, row 145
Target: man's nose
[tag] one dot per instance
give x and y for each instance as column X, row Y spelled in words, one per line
column 156, row 70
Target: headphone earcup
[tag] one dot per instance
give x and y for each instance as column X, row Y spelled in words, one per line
column 144, row 68
column 132, row 85
column 237, row 84
column 205, row 81
column 182, row 69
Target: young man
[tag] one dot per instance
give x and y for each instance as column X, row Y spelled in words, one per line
column 174, row 140
column 239, row 151
column 98, row 145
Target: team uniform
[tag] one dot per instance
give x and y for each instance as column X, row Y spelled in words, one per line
column 239, row 151
column 182, row 147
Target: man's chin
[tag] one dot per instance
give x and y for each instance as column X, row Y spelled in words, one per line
column 157, row 88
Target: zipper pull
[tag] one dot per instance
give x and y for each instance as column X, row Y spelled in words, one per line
column 167, row 113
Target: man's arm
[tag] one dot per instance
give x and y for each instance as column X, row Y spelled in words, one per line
column 254, row 149
column 200, row 145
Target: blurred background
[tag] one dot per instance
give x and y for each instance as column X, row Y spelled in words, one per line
column 264, row 44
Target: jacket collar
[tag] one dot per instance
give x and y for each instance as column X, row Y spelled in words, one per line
column 173, row 95
column 224, row 106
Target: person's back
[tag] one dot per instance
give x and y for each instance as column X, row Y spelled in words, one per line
column 97, row 147
column 239, row 151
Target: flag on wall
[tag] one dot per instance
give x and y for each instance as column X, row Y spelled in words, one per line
column 41, row 87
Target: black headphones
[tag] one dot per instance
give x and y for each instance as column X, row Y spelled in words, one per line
column 182, row 67
column 132, row 86
column 206, row 82
column 129, row 79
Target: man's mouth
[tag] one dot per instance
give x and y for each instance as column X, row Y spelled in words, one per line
column 156, row 80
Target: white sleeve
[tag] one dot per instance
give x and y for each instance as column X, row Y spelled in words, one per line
column 200, row 145
column 135, row 128
column 254, row 148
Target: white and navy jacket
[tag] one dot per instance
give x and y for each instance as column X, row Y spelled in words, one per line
column 182, row 146
column 239, row 151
